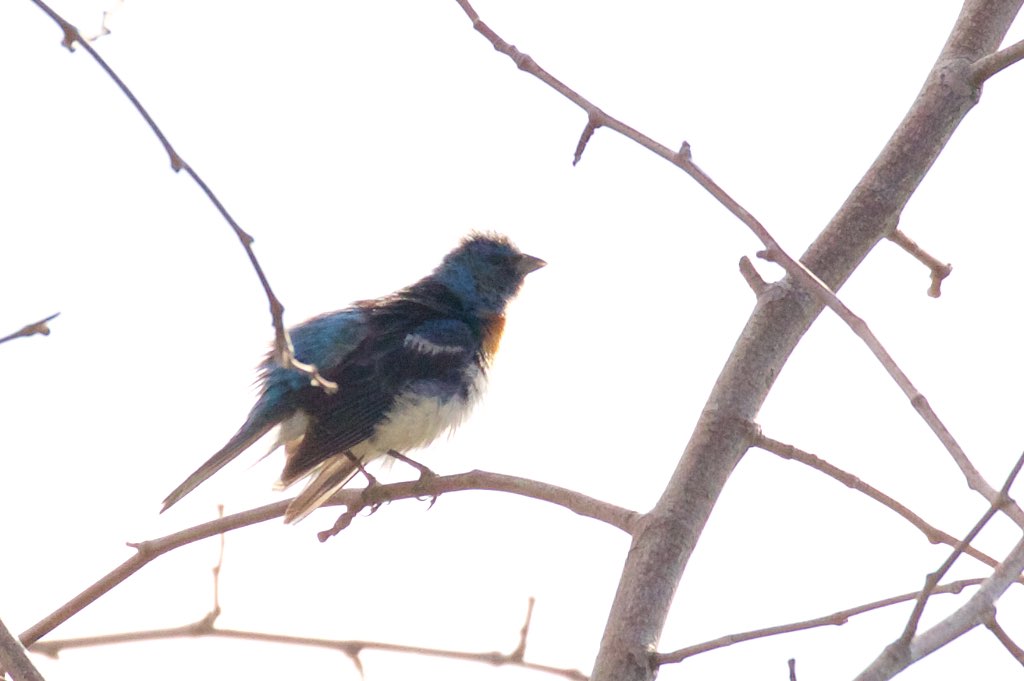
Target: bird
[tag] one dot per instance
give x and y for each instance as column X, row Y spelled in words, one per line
column 409, row 367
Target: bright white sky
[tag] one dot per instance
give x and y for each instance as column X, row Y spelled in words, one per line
column 357, row 142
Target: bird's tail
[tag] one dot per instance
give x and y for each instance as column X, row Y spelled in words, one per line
column 255, row 427
column 331, row 477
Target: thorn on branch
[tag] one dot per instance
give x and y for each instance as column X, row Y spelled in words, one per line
column 594, row 121
column 684, row 155
column 41, row 328
column 352, row 653
column 71, row 35
column 752, row 277
column 939, row 269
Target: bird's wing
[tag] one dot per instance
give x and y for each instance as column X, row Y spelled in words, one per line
column 324, row 341
column 436, row 351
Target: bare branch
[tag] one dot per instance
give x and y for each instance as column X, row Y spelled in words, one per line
column 981, row 606
column 792, row 668
column 835, row 619
column 149, row 550
column 661, row 550
column 932, row 533
column 934, row 578
column 41, row 327
column 215, row 610
column 986, row 67
column 14, row 660
column 520, row 650
column 355, row 500
column 773, row 252
column 350, row 648
column 283, row 351
column 823, row 294
column 939, row 269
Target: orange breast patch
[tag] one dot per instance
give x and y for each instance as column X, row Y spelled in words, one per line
column 493, row 328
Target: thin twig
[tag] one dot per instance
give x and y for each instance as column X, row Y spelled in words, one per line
column 206, row 627
column 933, row 579
column 752, row 277
column 986, row 67
column 792, row 668
column 215, row 610
column 1004, row 638
column 147, row 551
column 981, row 605
column 932, row 533
column 41, row 327
column 524, row 633
column 773, row 251
column 351, row 648
column 939, row 270
column 283, row 351
column 835, row 619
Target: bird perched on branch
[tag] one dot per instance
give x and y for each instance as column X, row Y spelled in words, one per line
column 409, row 366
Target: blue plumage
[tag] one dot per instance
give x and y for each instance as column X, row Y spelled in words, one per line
column 409, row 366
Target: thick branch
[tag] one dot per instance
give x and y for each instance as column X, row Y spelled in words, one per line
column 14, row 660
column 948, row 86
column 662, row 547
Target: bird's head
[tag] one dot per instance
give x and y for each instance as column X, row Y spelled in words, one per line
column 486, row 271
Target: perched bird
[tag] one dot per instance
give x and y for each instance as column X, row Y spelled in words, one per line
column 409, row 366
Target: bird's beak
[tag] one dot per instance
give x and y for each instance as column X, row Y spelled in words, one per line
column 528, row 263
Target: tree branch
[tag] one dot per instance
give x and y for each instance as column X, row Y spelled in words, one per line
column 932, row 533
column 149, row 550
column 663, row 545
column 283, row 351
column 908, row 649
column 351, row 648
column 835, row 619
column 934, row 578
column 939, row 270
column 41, row 327
column 990, row 65
column 975, row 611
column 14, row 660
column 206, row 627
column 1004, row 638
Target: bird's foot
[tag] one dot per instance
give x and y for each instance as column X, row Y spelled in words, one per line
column 424, row 471
column 368, row 498
column 425, row 474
